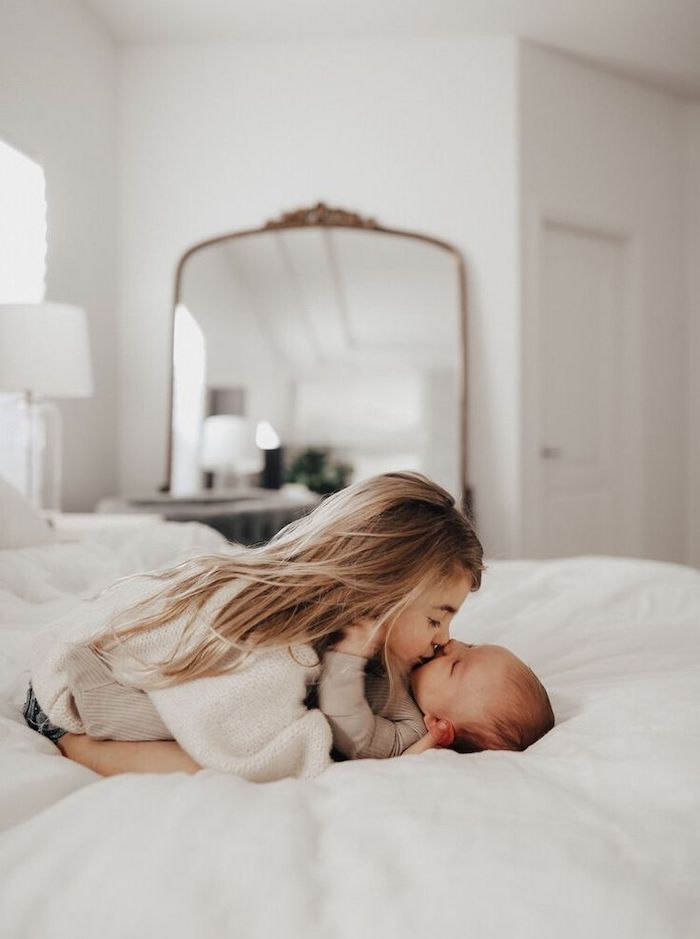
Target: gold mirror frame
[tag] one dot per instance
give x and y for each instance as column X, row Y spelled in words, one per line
column 323, row 216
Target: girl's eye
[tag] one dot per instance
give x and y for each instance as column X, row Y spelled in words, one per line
column 435, row 623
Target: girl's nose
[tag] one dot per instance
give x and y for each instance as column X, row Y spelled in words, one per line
column 443, row 638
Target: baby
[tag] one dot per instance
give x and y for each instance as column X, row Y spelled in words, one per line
column 486, row 696
column 469, row 697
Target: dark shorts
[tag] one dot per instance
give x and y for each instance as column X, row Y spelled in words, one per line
column 38, row 721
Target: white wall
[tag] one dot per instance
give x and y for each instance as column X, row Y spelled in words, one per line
column 420, row 134
column 58, row 83
column 692, row 218
column 596, row 146
column 449, row 137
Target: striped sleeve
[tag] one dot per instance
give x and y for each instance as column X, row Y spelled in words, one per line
column 109, row 710
column 366, row 724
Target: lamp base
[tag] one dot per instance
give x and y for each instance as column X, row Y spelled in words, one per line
column 31, row 452
column 48, row 475
column 14, row 441
column 273, row 470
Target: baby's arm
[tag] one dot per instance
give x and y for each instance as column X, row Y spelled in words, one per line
column 358, row 732
column 440, row 734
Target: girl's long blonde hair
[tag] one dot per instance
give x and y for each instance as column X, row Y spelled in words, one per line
column 363, row 553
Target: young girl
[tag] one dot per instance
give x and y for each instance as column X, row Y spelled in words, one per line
column 225, row 646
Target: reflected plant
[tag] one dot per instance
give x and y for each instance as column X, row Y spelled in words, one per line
column 316, row 469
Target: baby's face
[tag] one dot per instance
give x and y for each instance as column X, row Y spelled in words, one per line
column 464, row 683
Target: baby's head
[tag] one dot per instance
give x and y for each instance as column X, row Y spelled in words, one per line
column 492, row 700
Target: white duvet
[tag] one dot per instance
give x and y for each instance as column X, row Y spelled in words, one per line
column 592, row 832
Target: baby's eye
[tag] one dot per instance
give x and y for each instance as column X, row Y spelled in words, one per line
column 435, row 623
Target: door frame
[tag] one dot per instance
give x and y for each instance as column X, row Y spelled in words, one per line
column 537, row 216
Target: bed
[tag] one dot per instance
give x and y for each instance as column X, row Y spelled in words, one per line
column 591, row 832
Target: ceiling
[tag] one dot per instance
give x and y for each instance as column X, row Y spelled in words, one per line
column 326, row 301
column 656, row 41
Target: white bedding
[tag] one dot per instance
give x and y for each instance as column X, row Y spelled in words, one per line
column 592, row 832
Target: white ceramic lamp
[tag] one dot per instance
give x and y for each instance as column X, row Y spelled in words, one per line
column 228, row 447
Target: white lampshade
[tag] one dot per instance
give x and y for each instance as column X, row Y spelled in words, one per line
column 266, row 437
column 44, row 349
column 228, row 444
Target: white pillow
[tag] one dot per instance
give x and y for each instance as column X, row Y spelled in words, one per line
column 20, row 524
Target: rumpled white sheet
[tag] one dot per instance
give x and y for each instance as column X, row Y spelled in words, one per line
column 592, row 832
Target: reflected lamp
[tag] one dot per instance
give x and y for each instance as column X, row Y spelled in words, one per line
column 228, row 448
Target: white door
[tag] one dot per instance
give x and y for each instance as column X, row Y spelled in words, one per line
column 581, row 393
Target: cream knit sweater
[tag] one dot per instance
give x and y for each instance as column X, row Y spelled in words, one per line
column 251, row 722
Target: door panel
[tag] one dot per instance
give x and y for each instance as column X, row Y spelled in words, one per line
column 582, row 279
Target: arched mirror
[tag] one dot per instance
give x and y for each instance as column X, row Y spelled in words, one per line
column 340, row 343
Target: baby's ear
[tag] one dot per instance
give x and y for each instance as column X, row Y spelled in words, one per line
column 441, row 730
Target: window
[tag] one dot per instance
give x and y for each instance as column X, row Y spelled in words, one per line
column 22, row 277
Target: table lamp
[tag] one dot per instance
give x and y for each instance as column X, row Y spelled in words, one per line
column 267, row 438
column 228, row 449
column 44, row 353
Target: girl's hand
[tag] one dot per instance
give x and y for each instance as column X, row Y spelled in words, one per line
column 75, row 746
column 361, row 639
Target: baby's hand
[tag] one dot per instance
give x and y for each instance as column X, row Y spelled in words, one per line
column 361, row 639
column 441, row 734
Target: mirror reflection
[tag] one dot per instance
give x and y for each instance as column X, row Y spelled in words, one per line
column 318, row 355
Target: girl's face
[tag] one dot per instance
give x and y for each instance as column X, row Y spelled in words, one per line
column 425, row 623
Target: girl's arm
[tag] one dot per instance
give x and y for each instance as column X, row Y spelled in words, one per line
column 111, row 757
